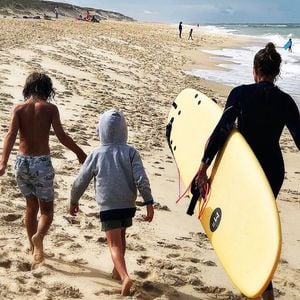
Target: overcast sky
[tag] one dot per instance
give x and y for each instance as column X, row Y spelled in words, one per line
column 202, row 11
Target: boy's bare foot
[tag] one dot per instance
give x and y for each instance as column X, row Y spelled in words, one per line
column 126, row 285
column 38, row 254
column 115, row 274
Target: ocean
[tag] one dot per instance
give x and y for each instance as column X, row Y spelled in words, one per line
column 238, row 62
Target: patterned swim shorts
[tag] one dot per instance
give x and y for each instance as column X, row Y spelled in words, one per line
column 34, row 175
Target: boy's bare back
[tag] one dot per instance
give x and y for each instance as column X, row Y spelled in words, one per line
column 35, row 119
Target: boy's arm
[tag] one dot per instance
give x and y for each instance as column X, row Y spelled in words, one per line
column 9, row 140
column 140, row 178
column 150, row 213
column 81, row 182
column 65, row 139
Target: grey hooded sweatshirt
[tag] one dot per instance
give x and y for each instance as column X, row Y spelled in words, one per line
column 116, row 167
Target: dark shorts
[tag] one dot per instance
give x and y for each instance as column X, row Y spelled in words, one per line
column 113, row 224
column 34, row 175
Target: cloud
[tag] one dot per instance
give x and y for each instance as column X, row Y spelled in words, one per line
column 228, row 10
column 149, row 12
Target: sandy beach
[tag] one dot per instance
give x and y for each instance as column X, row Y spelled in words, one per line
column 137, row 68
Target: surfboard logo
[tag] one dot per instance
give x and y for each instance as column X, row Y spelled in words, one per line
column 215, row 219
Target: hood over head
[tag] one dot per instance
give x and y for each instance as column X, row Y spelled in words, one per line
column 112, row 128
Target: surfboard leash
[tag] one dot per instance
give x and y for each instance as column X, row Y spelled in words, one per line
column 192, row 186
column 204, row 202
column 168, row 136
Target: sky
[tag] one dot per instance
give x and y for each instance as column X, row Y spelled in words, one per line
column 201, row 11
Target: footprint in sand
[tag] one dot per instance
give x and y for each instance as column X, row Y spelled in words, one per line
column 135, row 247
column 5, row 263
column 71, row 220
column 173, row 255
column 107, row 292
column 134, row 236
column 150, row 287
column 142, row 259
column 210, row 289
column 194, row 260
column 174, row 280
column 142, row 274
column 192, row 270
column 23, row 266
column 158, row 206
column 169, row 246
column 11, row 217
column 102, row 240
column 209, row 263
column 195, row 281
column 164, row 264
column 63, row 290
column 80, row 261
column 39, row 273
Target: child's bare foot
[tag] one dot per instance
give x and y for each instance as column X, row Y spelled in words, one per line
column 38, row 254
column 126, row 285
column 115, row 274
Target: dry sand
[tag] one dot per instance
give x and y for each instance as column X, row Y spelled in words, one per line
column 137, row 68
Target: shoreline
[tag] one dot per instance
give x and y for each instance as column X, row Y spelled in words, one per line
column 138, row 68
column 198, row 59
column 216, row 67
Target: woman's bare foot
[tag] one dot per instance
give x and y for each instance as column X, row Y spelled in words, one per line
column 126, row 285
column 29, row 250
column 38, row 253
column 115, row 274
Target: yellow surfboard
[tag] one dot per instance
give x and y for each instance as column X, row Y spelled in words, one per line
column 241, row 217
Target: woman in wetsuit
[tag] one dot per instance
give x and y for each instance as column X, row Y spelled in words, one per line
column 262, row 110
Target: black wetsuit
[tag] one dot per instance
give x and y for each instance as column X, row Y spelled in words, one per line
column 262, row 110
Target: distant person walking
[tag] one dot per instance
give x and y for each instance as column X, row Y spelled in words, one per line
column 191, row 34
column 180, row 29
column 56, row 12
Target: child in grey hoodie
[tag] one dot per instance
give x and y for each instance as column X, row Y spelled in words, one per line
column 118, row 173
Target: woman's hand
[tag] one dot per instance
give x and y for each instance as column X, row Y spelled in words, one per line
column 202, row 179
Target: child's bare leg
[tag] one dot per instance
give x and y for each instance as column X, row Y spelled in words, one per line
column 114, row 239
column 115, row 273
column 44, row 223
column 30, row 218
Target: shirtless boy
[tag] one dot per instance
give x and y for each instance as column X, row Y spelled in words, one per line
column 34, row 172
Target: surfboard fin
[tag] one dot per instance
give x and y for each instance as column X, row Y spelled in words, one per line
column 168, row 133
